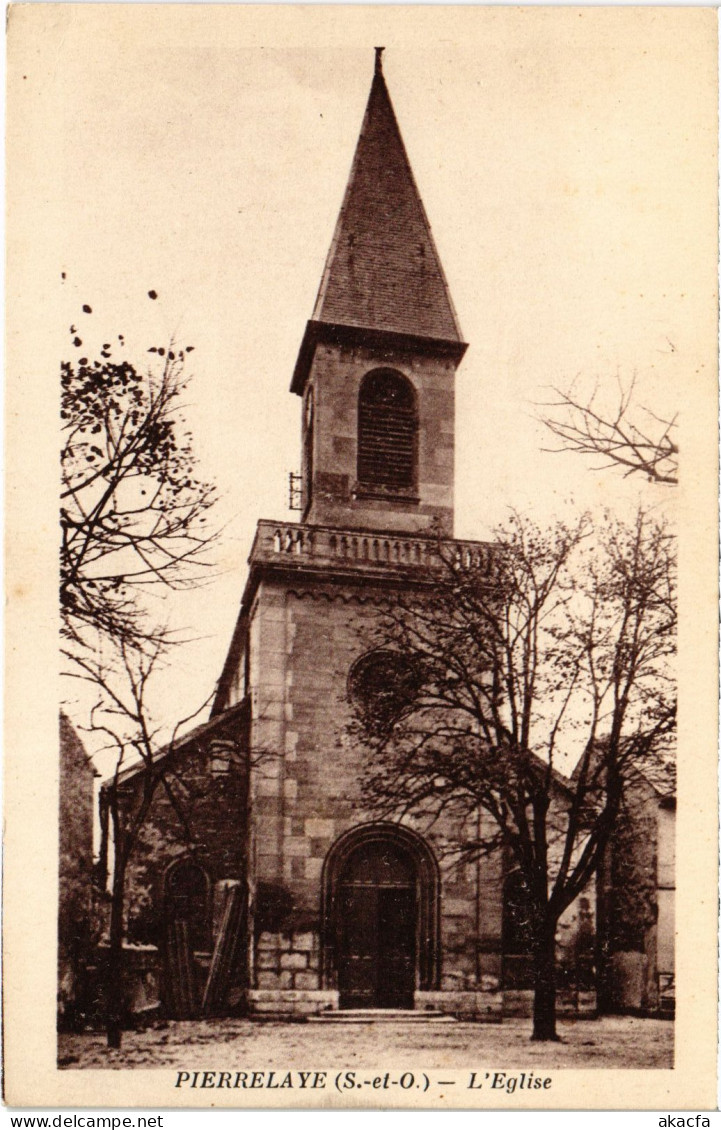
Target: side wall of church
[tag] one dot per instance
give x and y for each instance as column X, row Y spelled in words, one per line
column 198, row 815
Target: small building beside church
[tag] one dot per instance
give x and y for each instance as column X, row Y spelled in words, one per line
column 76, row 932
column 273, row 887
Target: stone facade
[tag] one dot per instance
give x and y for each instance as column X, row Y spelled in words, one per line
column 303, row 638
column 312, row 616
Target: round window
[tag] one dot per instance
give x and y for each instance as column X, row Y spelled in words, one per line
column 382, row 686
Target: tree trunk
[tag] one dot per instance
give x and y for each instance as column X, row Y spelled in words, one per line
column 114, row 998
column 544, row 997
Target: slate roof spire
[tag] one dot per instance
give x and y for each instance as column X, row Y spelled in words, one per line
column 383, row 274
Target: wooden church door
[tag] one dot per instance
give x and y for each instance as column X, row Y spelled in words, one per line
column 377, row 919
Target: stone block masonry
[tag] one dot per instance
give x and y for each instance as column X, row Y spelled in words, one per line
column 288, row 961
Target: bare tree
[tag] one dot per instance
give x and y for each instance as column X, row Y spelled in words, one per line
column 133, row 514
column 133, row 508
column 121, row 718
column 630, row 437
column 557, row 650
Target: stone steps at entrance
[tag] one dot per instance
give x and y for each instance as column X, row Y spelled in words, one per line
column 381, row 1016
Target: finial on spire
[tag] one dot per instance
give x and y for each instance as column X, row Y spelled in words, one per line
column 379, row 60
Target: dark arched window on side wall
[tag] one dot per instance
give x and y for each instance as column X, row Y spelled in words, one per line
column 187, row 901
column 517, row 952
column 387, row 432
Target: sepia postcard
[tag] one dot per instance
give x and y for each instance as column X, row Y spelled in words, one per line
column 362, row 380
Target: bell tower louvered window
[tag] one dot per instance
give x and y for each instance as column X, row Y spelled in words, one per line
column 387, row 426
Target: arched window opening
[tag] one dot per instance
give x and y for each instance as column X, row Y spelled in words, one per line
column 187, row 901
column 516, row 934
column 387, row 431
column 187, row 926
column 382, row 686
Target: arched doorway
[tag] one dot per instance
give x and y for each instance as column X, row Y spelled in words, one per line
column 186, row 900
column 380, row 917
column 187, row 930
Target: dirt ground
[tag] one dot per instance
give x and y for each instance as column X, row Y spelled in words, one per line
column 612, row 1041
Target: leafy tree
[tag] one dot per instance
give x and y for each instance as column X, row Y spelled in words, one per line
column 133, row 507
column 523, row 656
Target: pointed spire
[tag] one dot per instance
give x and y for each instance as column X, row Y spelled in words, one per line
column 383, row 272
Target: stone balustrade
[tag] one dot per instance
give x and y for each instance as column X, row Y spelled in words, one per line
column 292, row 544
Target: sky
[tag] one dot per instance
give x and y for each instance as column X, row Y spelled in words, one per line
column 566, row 161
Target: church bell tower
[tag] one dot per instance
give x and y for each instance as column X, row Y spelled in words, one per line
column 377, row 363
column 315, row 901
column 347, row 910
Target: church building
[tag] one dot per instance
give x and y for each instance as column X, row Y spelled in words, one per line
column 276, row 889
